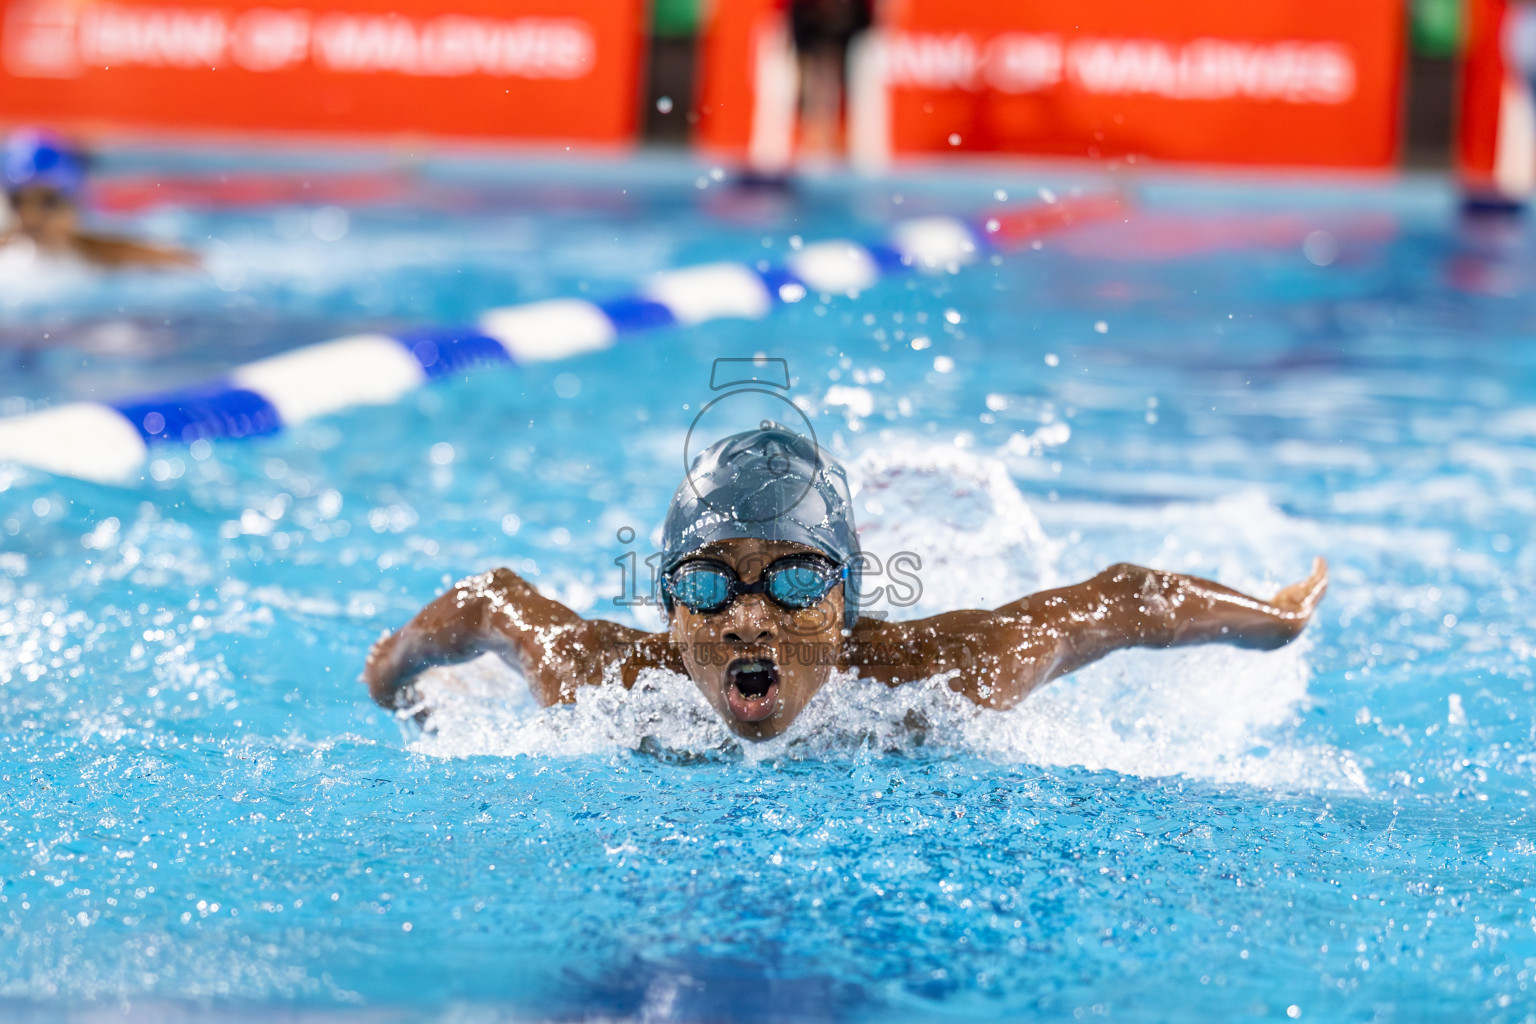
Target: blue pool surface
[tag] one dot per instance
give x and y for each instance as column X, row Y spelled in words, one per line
column 205, row 818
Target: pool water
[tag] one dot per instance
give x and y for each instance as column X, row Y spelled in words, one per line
column 205, row 818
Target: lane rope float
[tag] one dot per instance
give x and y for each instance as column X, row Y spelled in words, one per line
column 109, row 442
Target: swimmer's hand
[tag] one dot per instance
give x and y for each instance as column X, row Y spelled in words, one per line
column 1299, row 600
column 451, row 629
column 383, row 672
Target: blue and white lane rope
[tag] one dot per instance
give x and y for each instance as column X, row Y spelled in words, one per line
column 109, row 443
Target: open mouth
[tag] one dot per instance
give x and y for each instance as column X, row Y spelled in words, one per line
column 752, row 688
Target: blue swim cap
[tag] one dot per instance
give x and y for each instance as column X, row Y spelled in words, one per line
column 766, row 484
column 34, row 157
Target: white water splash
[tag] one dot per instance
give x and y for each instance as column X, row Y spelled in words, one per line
column 28, row 276
column 980, row 544
column 1213, row 713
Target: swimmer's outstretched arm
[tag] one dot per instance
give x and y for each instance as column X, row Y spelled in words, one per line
column 499, row 612
column 107, row 251
column 1002, row 655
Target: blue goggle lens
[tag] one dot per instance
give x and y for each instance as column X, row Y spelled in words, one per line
column 795, row 585
column 703, row 589
column 799, row 586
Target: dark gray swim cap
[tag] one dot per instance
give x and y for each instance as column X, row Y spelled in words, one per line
column 766, row 484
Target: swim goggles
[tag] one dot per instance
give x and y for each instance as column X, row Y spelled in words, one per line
column 795, row 582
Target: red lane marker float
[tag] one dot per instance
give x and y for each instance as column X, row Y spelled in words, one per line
column 1013, row 227
column 134, row 195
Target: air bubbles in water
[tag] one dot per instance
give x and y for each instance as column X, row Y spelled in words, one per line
column 329, row 223
column 1320, row 248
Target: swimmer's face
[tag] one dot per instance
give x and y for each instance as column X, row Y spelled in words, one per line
column 756, row 663
column 44, row 214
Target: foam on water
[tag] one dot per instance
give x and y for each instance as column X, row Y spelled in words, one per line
column 979, row 542
column 29, row 278
column 1214, row 713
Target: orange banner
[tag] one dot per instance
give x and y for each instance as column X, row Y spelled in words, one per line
column 728, row 63
column 1299, row 82
column 1264, row 81
column 517, row 69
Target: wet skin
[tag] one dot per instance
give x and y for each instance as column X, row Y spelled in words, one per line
column 758, row 664
column 50, row 219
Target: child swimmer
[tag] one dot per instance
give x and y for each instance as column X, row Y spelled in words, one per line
column 759, row 550
column 43, row 177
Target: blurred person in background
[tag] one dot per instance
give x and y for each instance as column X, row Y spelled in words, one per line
column 822, row 30
column 44, row 176
column 1517, row 171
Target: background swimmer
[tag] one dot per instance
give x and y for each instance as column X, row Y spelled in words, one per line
column 44, row 176
column 759, row 550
